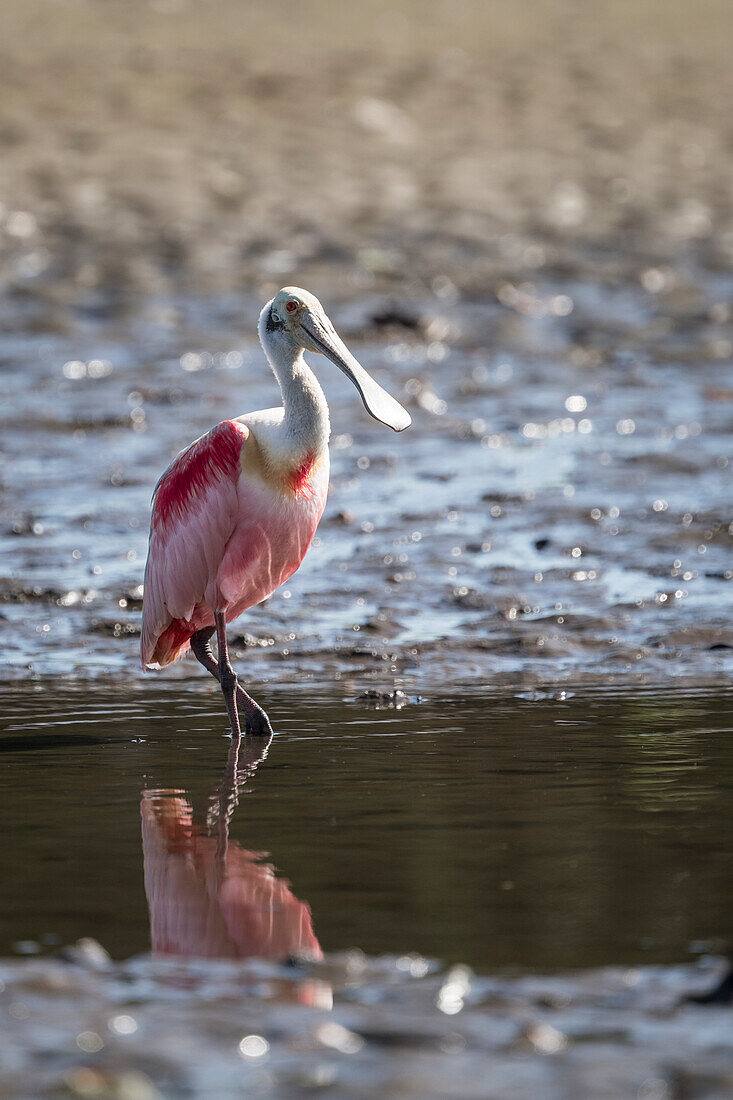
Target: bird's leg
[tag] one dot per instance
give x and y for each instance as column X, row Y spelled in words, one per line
column 227, row 675
column 255, row 720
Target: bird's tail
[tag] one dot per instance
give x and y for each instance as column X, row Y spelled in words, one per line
column 160, row 649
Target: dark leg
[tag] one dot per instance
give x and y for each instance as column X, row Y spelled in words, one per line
column 227, row 675
column 255, row 720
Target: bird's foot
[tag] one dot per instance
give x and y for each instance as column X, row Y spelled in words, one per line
column 256, row 722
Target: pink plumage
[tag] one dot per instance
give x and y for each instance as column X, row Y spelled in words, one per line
column 221, row 538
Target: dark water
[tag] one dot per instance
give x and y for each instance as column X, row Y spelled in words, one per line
column 531, row 832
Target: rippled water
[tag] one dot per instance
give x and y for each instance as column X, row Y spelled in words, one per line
column 535, row 831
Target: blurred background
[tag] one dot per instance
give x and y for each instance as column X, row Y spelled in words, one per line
column 215, row 144
column 519, row 215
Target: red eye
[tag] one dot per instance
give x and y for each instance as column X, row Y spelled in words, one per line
column 291, row 306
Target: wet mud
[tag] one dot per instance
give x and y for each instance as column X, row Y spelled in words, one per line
column 172, row 1028
column 544, row 519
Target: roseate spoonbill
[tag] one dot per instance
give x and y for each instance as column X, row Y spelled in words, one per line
column 235, row 512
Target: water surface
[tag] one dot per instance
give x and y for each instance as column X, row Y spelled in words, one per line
column 529, row 831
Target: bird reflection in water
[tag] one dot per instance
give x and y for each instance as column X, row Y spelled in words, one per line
column 210, row 898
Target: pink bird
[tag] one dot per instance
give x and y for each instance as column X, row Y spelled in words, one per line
column 235, row 513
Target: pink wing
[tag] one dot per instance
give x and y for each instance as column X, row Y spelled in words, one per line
column 195, row 511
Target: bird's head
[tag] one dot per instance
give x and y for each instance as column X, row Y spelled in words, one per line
column 298, row 317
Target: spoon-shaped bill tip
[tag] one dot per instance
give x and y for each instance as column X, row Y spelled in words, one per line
column 322, row 337
column 380, row 404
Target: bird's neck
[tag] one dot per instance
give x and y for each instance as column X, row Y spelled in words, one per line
column 305, row 427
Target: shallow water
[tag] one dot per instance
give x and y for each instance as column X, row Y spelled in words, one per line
column 520, row 220
column 526, row 831
column 548, row 515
